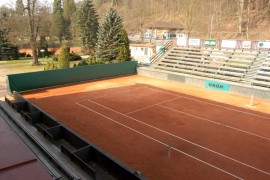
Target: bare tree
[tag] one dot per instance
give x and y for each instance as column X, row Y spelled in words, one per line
column 257, row 6
column 33, row 22
column 189, row 11
column 240, row 16
column 248, row 18
column 142, row 9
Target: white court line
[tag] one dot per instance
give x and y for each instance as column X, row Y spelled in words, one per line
column 114, row 94
column 173, row 135
column 204, row 119
column 111, row 95
column 123, row 92
column 152, row 105
column 149, row 137
column 214, row 122
column 159, row 104
column 224, row 107
column 221, row 124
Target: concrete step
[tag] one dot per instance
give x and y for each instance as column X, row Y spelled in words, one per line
column 248, row 79
column 252, row 71
column 250, row 75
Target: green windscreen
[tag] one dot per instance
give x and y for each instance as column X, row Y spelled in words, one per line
column 42, row 79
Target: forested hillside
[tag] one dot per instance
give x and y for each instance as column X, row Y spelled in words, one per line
column 57, row 22
column 239, row 19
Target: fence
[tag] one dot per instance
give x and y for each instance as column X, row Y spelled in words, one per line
column 42, row 79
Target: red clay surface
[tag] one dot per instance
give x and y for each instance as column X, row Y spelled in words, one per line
column 134, row 118
column 16, row 160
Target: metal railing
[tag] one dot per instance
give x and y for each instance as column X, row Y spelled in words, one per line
column 161, row 52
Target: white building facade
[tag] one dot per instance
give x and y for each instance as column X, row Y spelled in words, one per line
column 142, row 52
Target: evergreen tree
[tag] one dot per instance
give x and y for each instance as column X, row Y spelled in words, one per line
column 87, row 21
column 50, row 66
column 109, row 36
column 123, row 47
column 58, row 20
column 72, row 7
column 63, row 60
column 68, row 10
column 19, row 7
column 7, row 50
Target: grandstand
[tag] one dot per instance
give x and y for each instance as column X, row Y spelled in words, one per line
column 249, row 67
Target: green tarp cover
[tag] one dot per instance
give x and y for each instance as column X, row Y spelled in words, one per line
column 42, row 79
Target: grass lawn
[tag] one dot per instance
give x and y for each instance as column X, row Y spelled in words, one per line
column 23, row 65
column 20, row 66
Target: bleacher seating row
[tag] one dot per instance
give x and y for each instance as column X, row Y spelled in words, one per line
column 243, row 66
column 262, row 77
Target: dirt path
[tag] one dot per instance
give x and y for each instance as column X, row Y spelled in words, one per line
column 3, row 88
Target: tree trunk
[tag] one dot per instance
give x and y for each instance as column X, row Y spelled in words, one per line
column 34, row 52
column 248, row 18
column 240, row 16
column 33, row 26
column 211, row 26
column 142, row 19
column 257, row 7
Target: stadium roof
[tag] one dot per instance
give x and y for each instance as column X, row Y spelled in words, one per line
column 17, row 161
column 167, row 25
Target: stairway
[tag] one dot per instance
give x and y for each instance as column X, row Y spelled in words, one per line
column 161, row 52
column 254, row 68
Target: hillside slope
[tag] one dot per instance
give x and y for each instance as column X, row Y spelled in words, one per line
column 197, row 16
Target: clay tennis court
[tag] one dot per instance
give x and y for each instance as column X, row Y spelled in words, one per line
column 166, row 130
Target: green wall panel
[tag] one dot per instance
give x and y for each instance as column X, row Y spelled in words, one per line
column 42, row 79
column 220, row 86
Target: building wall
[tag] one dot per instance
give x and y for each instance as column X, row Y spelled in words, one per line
column 235, row 88
column 162, row 33
column 58, row 50
column 142, row 54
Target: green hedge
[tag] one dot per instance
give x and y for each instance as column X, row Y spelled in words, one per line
column 42, row 79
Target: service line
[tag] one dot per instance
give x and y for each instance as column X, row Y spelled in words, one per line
column 149, row 137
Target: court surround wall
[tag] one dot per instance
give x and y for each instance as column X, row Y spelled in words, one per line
column 235, row 88
column 42, row 79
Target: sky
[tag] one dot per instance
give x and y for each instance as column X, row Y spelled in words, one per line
column 7, row 3
column 11, row 3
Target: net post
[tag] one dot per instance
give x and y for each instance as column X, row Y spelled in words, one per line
column 251, row 101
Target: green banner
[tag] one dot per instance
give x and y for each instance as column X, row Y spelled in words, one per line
column 217, row 86
column 210, row 42
column 42, row 79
